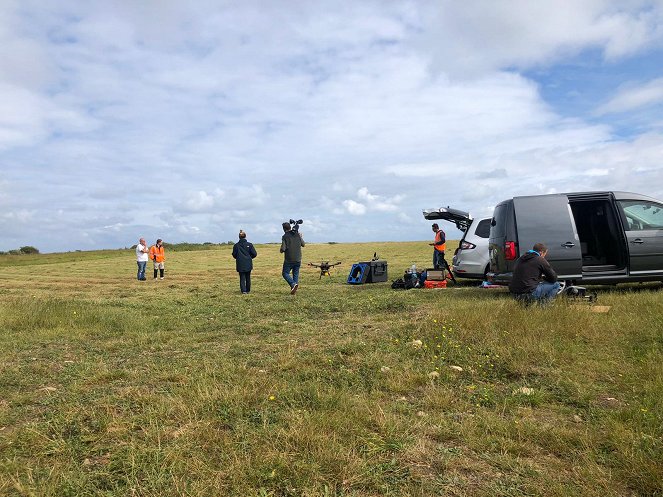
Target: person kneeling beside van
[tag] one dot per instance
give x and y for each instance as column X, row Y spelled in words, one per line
column 533, row 277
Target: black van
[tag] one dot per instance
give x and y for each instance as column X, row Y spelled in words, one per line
column 593, row 237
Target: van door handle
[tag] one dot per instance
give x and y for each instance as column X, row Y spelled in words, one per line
column 638, row 241
column 568, row 244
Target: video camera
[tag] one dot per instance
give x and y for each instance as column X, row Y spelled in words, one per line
column 294, row 225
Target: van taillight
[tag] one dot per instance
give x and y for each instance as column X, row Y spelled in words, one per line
column 509, row 251
column 467, row 245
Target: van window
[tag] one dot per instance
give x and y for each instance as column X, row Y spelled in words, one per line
column 642, row 215
column 483, row 229
column 499, row 216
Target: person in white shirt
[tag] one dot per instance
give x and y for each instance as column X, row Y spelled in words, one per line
column 141, row 258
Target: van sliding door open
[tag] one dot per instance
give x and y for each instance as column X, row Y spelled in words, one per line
column 548, row 219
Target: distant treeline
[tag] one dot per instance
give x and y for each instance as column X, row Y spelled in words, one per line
column 185, row 246
column 21, row 251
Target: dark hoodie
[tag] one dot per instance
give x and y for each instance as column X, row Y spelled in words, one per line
column 244, row 252
column 291, row 246
column 528, row 271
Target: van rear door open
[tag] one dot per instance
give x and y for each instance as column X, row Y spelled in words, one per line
column 548, row 219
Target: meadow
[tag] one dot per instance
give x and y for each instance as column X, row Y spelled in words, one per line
column 114, row 387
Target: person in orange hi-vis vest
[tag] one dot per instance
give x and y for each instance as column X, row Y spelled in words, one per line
column 158, row 257
column 439, row 246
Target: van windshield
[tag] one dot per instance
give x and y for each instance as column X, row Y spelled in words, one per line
column 642, row 215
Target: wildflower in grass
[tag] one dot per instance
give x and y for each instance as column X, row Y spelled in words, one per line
column 416, row 343
column 272, row 397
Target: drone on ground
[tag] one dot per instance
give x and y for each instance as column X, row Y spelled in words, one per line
column 324, row 267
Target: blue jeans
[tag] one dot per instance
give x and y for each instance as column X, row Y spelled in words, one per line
column 545, row 291
column 287, row 268
column 438, row 260
column 245, row 281
column 141, row 269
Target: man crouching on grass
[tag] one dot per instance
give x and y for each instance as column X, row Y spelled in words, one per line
column 291, row 248
column 530, row 268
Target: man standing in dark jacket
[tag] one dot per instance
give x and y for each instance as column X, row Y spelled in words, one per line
column 526, row 281
column 291, row 248
column 244, row 252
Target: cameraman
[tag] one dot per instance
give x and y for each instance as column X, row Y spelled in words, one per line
column 291, row 248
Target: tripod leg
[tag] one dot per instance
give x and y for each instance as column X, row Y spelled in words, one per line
column 448, row 268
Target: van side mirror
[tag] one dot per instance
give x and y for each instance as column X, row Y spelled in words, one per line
column 492, row 222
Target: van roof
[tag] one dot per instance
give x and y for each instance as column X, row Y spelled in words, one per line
column 618, row 195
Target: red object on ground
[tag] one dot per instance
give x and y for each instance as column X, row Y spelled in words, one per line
column 435, row 284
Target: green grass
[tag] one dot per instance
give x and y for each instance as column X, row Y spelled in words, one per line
column 113, row 387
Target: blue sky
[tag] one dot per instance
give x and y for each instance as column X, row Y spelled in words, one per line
column 191, row 121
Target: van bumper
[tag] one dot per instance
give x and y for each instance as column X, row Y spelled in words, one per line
column 499, row 278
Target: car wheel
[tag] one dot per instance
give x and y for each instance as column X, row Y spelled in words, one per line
column 562, row 286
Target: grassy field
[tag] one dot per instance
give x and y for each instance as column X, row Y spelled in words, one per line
column 114, row 387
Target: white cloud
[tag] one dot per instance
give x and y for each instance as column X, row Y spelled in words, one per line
column 466, row 39
column 354, row 208
column 20, row 215
column 199, row 201
column 187, row 121
column 633, row 97
column 377, row 202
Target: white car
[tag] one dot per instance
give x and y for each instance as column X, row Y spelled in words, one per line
column 470, row 259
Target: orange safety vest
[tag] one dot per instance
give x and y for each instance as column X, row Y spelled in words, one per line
column 438, row 238
column 157, row 252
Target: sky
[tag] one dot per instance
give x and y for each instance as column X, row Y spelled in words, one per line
column 189, row 121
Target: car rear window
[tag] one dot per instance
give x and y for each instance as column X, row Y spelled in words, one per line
column 499, row 217
column 483, row 229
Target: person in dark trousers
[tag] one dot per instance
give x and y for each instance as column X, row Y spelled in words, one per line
column 157, row 254
column 439, row 246
column 291, row 248
column 244, row 252
column 534, row 280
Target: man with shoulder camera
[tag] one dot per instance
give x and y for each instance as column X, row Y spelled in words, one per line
column 291, row 248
